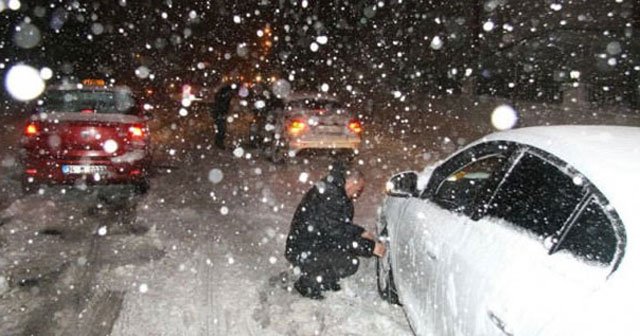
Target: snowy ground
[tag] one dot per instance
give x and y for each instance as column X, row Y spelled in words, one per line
column 194, row 257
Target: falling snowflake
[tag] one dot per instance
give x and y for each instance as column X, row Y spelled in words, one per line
column 24, row 83
column 215, row 175
column 238, row 152
column 504, row 117
column 322, row 39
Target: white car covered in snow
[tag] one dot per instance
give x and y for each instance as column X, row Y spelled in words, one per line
column 534, row 231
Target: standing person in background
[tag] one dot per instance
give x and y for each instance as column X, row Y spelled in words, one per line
column 323, row 241
column 265, row 107
column 219, row 113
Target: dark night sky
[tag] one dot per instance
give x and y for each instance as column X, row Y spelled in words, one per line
column 385, row 45
column 176, row 42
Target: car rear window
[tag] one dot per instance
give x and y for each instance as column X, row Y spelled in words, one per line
column 592, row 236
column 95, row 101
column 315, row 104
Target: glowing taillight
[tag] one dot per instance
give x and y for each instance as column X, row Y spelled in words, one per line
column 296, row 127
column 31, row 129
column 355, row 126
column 136, row 132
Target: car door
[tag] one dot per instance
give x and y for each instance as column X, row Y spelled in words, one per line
column 431, row 225
column 415, row 259
column 463, row 181
column 524, row 221
column 588, row 252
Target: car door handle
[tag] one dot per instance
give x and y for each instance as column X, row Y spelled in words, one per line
column 431, row 255
column 498, row 322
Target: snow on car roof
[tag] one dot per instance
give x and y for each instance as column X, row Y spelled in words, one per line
column 608, row 156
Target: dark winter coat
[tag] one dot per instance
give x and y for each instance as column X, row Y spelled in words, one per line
column 222, row 102
column 323, row 222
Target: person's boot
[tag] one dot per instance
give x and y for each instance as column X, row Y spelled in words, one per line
column 334, row 286
column 331, row 285
column 308, row 291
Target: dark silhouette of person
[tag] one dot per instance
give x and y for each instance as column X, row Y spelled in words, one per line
column 323, row 241
column 264, row 114
column 219, row 112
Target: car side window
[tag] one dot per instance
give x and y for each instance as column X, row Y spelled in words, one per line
column 592, row 236
column 536, row 196
column 458, row 191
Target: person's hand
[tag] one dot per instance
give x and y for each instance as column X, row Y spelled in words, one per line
column 379, row 250
column 368, row 235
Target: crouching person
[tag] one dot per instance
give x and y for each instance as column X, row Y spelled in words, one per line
column 323, row 241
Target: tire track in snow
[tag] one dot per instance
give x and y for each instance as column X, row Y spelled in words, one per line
column 215, row 319
column 100, row 314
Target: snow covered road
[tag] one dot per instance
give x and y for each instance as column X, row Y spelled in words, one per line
column 200, row 254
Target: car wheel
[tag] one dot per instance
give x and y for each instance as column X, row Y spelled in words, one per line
column 386, row 285
column 29, row 188
column 141, row 187
column 351, row 155
column 278, row 152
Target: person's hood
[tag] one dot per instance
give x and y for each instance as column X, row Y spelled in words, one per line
column 337, row 174
column 225, row 91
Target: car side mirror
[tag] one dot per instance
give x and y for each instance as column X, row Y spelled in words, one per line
column 403, row 185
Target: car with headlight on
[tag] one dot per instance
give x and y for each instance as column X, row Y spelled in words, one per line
column 534, row 231
column 87, row 134
column 312, row 121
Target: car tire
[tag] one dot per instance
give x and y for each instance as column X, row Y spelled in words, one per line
column 278, row 152
column 141, row 187
column 29, row 188
column 386, row 285
column 351, row 155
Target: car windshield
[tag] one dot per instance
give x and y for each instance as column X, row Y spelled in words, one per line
column 98, row 101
